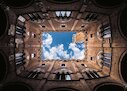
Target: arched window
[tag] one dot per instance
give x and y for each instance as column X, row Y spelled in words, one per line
column 33, row 55
column 21, row 18
column 63, row 76
column 57, row 76
column 105, row 31
column 68, row 77
column 91, row 74
column 33, row 74
column 19, row 58
column 91, row 16
column 63, row 14
column 106, row 57
column 20, row 27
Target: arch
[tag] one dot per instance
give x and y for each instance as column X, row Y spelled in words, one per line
column 62, row 89
column 108, row 3
column 63, row 74
column 3, row 66
column 122, row 22
column 18, row 3
column 16, row 86
column 123, row 65
column 64, row 70
column 3, row 22
column 109, row 87
column 62, row 1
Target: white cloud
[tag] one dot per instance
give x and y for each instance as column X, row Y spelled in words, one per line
column 78, row 54
column 48, row 40
column 58, row 52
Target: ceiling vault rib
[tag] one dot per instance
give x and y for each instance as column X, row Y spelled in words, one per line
column 82, row 9
column 51, row 24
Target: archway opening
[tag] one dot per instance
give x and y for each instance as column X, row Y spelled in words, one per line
column 16, row 87
column 18, row 3
column 109, row 87
column 3, row 22
column 2, row 67
column 62, row 1
column 62, row 89
column 124, row 68
column 123, row 22
column 108, row 3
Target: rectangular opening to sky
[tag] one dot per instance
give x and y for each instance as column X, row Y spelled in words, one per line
column 61, row 46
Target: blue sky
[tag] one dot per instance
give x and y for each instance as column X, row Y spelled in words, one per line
column 59, row 45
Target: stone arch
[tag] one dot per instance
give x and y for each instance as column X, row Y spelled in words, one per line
column 18, row 3
column 3, row 66
column 109, row 87
column 16, row 86
column 3, row 22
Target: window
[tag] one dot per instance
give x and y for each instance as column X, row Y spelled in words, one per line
column 63, row 25
column 43, row 26
column 43, row 64
column 33, row 74
column 22, row 19
column 106, row 31
column 91, row 35
column 33, row 35
column 91, row 58
column 82, row 64
column 106, row 59
column 19, row 58
column 32, row 55
column 57, row 76
column 67, row 76
column 91, row 16
column 82, row 26
column 106, row 64
column 68, row 13
column 63, row 14
column 63, row 76
column 91, row 74
column 63, row 65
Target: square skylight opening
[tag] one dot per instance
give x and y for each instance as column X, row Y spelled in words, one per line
column 62, row 46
